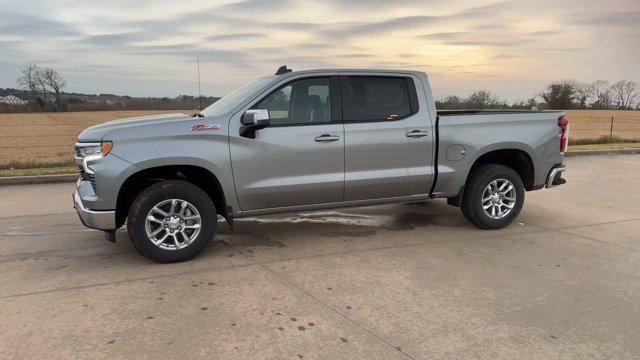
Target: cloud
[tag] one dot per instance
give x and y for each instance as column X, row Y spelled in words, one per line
column 243, row 39
column 443, row 35
column 256, row 5
column 616, row 19
column 236, row 36
column 116, row 40
column 497, row 43
column 361, row 29
column 23, row 25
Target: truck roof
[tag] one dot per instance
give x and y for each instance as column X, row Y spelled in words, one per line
column 390, row 71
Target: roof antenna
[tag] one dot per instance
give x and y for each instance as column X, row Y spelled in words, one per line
column 199, row 88
column 283, row 70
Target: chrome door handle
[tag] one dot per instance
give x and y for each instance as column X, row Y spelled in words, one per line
column 417, row 134
column 325, row 138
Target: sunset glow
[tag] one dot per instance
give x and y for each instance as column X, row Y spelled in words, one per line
column 149, row 48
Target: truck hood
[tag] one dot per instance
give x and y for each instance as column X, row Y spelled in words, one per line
column 98, row 132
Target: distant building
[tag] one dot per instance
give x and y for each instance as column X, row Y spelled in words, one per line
column 12, row 100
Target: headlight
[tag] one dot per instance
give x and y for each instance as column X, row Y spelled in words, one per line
column 88, row 149
column 88, row 152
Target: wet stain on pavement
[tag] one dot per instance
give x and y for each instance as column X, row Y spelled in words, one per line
column 353, row 234
column 301, row 328
column 251, row 239
column 344, row 339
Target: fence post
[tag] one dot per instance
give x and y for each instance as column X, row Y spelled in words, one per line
column 611, row 132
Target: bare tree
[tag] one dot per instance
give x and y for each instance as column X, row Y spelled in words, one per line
column 41, row 82
column 625, row 92
column 583, row 92
column 42, row 85
column 54, row 82
column 602, row 95
column 29, row 80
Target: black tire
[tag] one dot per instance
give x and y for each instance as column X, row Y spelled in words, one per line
column 478, row 180
column 158, row 192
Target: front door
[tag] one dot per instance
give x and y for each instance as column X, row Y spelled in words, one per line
column 388, row 138
column 299, row 158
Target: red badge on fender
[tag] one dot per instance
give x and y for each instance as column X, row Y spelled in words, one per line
column 204, row 127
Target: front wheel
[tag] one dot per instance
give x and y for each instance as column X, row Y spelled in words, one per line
column 171, row 221
column 493, row 196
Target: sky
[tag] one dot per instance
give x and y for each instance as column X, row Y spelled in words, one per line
column 148, row 48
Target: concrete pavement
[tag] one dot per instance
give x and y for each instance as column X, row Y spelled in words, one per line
column 398, row 281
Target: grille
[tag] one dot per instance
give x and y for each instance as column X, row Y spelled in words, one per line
column 87, row 177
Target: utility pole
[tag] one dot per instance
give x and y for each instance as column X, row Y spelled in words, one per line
column 199, row 88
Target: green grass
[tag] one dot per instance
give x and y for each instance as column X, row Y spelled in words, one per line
column 603, row 147
column 604, row 139
column 39, row 171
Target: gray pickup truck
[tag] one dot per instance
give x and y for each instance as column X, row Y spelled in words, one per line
column 309, row 140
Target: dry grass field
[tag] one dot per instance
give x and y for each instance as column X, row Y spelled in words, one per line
column 39, row 139
column 45, row 139
column 592, row 124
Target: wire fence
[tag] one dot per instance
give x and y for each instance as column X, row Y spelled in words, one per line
column 39, row 144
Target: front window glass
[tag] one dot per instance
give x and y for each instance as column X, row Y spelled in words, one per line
column 235, row 98
column 305, row 101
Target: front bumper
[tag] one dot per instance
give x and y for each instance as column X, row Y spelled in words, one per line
column 101, row 220
column 555, row 176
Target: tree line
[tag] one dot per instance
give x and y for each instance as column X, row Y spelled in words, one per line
column 43, row 87
column 564, row 94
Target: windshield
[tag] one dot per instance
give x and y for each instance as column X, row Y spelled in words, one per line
column 236, row 97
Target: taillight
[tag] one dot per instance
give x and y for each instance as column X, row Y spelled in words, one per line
column 563, row 123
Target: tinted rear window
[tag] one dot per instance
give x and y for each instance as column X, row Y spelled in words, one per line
column 375, row 98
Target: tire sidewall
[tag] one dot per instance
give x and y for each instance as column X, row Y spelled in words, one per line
column 172, row 190
column 497, row 172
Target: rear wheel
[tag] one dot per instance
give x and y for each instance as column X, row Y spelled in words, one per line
column 171, row 221
column 493, row 196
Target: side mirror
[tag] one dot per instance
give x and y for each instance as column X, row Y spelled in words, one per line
column 253, row 120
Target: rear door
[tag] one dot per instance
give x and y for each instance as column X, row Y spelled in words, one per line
column 299, row 158
column 388, row 137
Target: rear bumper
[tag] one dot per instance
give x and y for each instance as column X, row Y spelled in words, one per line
column 101, row 220
column 555, row 176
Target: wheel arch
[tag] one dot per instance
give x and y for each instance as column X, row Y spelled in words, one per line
column 516, row 156
column 140, row 180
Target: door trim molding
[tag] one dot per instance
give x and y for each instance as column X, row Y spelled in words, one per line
column 335, row 205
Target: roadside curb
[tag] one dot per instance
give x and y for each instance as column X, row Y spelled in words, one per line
column 38, row 179
column 603, row 152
